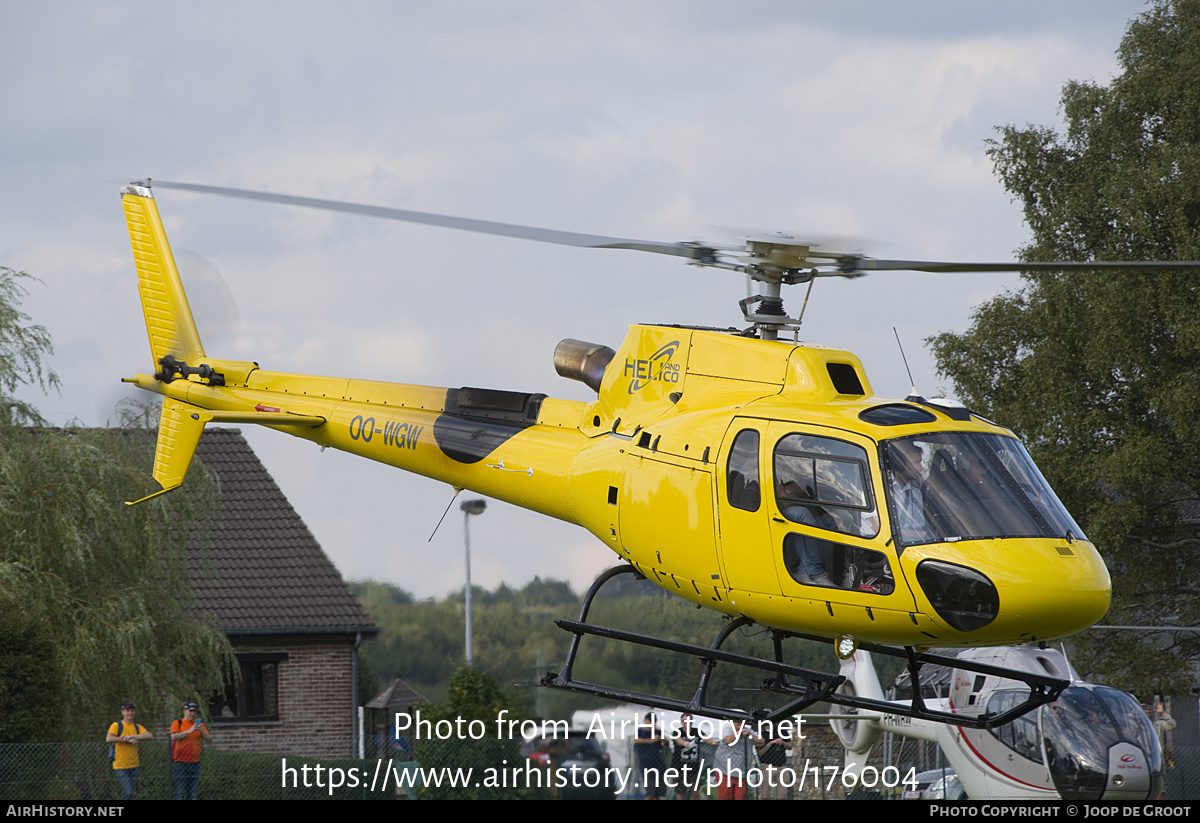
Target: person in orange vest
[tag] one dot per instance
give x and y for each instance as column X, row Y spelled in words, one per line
column 185, row 751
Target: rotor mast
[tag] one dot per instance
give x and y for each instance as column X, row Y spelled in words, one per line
column 773, row 260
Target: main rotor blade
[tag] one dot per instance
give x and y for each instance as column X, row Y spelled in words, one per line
column 703, row 254
column 867, row 264
column 690, row 251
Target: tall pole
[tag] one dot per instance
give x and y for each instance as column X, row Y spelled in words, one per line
column 469, row 507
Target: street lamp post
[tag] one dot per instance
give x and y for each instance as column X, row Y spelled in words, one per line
column 469, row 507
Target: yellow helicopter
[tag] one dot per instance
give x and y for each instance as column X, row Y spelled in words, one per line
column 748, row 474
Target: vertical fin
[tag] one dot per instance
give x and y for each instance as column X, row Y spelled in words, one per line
column 169, row 322
column 179, row 430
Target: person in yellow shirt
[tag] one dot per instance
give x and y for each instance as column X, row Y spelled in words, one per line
column 124, row 735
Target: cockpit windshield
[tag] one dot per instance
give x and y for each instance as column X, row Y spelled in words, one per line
column 1095, row 740
column 1090, row 738
column 949, row 486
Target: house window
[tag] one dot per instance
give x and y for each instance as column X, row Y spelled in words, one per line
column 255, row 696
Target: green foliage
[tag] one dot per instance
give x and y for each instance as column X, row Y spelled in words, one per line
column 1100, row 372
column 31, row 676
column 23, row 348
column 107, row 580
column 104, row 583
column 251, row 776
column 422, row 643
column 473, row 695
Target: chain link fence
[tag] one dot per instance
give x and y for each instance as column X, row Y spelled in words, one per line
column 452, row 770
column 472, row 769
column 1181, row 766
column 1183, row 772
column 66, row 772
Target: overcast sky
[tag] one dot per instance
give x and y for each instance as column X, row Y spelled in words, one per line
column 663, row 121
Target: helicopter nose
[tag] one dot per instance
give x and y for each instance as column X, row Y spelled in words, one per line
column 1057, row 607
column 1013, row 591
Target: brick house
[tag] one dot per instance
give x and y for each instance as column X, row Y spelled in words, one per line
column 294, row 624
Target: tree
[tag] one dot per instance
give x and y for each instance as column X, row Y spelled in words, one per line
column 471, row 715
column 1100, row 373
column 93, row 591
column 31, row 676
column 516, row 641
column 22, row 348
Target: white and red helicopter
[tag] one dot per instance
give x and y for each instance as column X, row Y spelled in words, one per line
column 1092, row 743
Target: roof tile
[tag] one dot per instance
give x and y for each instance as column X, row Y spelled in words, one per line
column 259, row 567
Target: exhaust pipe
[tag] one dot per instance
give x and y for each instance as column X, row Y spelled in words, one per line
column 582, row 361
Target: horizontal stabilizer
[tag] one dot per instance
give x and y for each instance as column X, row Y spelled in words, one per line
column 260, row 418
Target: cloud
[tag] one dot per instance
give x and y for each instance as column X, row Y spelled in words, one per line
column 636, row 120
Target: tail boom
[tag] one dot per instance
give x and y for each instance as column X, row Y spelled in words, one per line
column 413, row 428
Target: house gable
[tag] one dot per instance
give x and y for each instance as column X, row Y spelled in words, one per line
column 261, row 577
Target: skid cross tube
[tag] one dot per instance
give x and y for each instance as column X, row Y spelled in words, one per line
column 817, row 686
column 809, row 687
column 1042, row 688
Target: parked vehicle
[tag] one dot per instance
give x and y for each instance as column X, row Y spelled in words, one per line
column 582, row 767
column 937, row 784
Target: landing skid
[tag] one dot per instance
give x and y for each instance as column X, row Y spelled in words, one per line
column 804, row 686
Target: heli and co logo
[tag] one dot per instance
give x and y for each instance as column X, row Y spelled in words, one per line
column 658, row 368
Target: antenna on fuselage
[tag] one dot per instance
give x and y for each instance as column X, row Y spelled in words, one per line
column 457, row 492
column 912, row 393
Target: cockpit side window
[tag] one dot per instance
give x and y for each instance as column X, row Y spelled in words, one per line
column 1021, row 735
column 742, row 486
column 825, row 483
